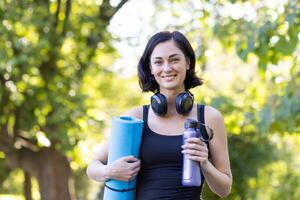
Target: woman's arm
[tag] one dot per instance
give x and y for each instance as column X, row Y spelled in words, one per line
column 217, row 172
column 124, row 168
column 97, row 169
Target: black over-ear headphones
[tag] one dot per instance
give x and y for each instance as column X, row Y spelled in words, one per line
column 184, row 103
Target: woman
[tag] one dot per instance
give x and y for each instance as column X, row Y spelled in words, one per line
column 167, row 68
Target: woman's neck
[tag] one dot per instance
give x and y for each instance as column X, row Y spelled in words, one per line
column 171, row 99
column 172, row 92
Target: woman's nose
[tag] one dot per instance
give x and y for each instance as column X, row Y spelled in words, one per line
column 167, row 66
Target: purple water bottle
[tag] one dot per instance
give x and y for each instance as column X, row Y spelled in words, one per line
column 191, row 175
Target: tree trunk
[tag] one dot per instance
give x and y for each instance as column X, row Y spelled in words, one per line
column 53, row 177
column 27, row 186
column 50, row 168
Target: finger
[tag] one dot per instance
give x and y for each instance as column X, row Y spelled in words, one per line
column 193, row 139
column 136, row 171
column 196, row 141
column 135, row 164
column 197, row 158
column 135, row 175
column 129, row 158
column 195, row 153
column 195, row 147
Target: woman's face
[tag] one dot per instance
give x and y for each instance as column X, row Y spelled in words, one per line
column 169, row 66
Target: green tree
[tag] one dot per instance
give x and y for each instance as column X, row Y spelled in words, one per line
column 264, row 108
column 57, row 87
column 46, row 47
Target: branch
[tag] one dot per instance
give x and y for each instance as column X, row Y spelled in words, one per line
column 56, row 15
column 27, row 142
column 117, row 8
column 16, row 123
column 67, row 14
column 106, row 11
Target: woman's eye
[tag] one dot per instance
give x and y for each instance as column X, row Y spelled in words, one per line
column 174, row 60
column 157, row 62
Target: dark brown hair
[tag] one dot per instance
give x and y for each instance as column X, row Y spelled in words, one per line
column 147, row 81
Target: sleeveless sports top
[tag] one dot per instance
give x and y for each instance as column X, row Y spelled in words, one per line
column 161, row 165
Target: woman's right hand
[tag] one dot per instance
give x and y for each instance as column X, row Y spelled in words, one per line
column 124, row 169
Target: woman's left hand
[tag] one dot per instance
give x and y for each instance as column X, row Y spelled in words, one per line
column 196, row 150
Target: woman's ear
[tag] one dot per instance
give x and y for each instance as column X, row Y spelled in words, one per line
column 188, row 63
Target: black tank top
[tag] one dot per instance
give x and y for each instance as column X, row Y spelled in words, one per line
column 161, row 165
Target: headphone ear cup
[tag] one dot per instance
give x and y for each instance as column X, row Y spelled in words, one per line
column 184, row 103
column 159, row 104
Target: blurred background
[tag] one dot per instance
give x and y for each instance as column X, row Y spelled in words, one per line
column 68, row 66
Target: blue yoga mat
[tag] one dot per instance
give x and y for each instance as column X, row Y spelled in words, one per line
column 125, row 140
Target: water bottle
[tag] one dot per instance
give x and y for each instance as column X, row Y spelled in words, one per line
column 191, row 175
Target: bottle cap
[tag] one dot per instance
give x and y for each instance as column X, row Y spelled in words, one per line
column 190, row 123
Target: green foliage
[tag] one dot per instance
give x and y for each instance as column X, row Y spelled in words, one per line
column 265, row 107
column 11, row 183
column 47, row 50
column 271, row 36
column 4, row 172
column 38, row 74
column 57, row 85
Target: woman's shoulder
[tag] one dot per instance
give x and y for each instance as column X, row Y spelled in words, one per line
column 136, row 112
column 212, row 114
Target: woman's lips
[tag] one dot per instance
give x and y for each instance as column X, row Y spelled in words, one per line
column 169, row 77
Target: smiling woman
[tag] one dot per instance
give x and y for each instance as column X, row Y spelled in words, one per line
column 167, row 68
column 168, row 65
column 168, row 55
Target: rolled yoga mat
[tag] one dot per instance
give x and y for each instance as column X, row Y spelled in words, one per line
column 125, row 139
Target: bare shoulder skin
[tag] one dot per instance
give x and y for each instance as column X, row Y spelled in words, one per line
column 136, row 112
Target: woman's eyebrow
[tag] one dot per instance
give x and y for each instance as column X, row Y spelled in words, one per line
column 171, row 56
